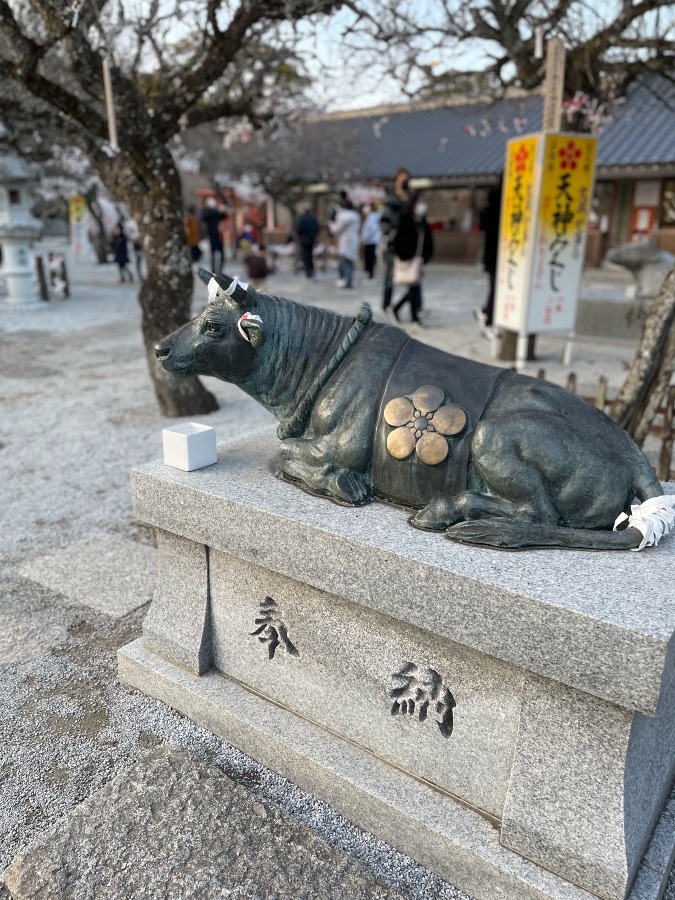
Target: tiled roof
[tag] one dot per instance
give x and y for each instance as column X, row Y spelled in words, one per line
column 467, row 141
column 642, row 131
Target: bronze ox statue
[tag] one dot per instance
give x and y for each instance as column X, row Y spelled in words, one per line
column 487, row 455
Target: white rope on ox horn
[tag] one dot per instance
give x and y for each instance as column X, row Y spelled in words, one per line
column 213, row 288
column 233, row 287
column 654, row 518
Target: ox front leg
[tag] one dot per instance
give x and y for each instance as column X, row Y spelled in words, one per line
column 312, row 463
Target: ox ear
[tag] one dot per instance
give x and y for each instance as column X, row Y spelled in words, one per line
column 251, row 327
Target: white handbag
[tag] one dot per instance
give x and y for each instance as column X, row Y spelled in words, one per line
column 409, row 271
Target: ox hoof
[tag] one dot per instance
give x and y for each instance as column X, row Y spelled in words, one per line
column 436, row 516
column 350, row 487
column 488, row 533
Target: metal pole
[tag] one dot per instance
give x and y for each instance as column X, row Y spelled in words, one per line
column 521, row 350
column 495, row 342
column 568, row 349
column 109, row 104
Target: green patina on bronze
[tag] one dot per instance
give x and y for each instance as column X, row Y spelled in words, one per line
column 487, row 455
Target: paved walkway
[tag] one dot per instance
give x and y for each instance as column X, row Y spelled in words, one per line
column 78, row 413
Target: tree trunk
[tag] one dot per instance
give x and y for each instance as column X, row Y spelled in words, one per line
column 101, row 248
column 638, row 400
column 98, row 240
column 145, row 178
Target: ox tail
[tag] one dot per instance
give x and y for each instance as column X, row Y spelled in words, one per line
column 505, row 535
column 646, row 485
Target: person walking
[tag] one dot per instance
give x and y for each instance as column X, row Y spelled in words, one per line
column 335, row 208
column 121, row 252
column 192, row 227
column 212, row 217
column 370, row 238
column 346, row 228
column 413, row 239
column 389, row 222
column 488, row 220
column 133, row 234
column 307, row 230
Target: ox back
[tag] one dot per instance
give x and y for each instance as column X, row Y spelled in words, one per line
column 464, row 383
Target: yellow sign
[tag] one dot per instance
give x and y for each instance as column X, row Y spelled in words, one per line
column 77, row 212
column 547, row 192
column 77, row 207
column 515, row 227
column 566, row 193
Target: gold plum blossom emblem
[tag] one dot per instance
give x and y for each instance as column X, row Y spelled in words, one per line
column 422, row 424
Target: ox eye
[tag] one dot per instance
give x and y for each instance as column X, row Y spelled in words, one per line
column 213, row 328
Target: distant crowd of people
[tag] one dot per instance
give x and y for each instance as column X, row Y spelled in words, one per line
column 210, row 222
column 394, row 230
column 398, row 228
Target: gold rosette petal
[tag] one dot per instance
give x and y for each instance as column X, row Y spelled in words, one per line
column 432, row 448
column 428, row 398
column 398, row 411
column 450, row 419
column 401, row 443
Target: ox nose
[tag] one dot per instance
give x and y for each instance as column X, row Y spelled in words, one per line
column 162, row 352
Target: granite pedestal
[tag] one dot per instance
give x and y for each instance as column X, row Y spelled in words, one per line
column 508, row 719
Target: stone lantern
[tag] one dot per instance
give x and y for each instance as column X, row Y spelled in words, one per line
column 17, row 229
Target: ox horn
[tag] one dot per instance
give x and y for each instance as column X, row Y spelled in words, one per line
column 230, row 287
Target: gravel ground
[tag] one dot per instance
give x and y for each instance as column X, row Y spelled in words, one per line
column 78, row 413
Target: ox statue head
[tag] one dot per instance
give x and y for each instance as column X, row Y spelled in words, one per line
column 223, row 340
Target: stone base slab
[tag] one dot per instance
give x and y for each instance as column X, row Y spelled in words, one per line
column 541, row 701
column 102, row 848
column 106, row 572
column 449, row 838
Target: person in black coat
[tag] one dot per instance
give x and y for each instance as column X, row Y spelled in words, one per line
column 390, row 219
column 121, row 251
column 211, row 216
column 488, row 221
column 413, row 238
column 307, row 230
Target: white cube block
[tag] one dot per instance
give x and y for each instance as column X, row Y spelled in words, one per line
column 190, row 446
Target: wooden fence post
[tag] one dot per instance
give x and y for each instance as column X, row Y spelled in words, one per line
column 601, row 393
column 666, row 454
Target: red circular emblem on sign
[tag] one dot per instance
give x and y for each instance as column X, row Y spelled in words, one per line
column 521, row 159
column 569, row 155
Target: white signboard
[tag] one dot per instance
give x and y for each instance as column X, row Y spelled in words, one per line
column 539, row 266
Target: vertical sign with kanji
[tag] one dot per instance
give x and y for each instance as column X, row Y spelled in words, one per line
column 515, row 251
column 560, row 230
column 548, row 187
column 77, row 213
